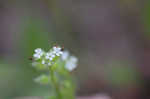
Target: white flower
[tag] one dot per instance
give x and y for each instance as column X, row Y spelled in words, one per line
column 50, row 56
column 38, row 53
column 71, row 63
column 38, row 50
column 65, row 55
column 57, row 51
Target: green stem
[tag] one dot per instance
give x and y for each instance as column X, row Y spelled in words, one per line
column 56, row 86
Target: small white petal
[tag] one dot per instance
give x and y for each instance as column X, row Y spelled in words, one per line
column 52, row 55
column 35, row 55
column 38, row 56
column 38, row 50
column 54, row 48
column 47, row 57
column 58, row 49
column 60, row 52
column 50, row 58
column 71, row 63
column 73, row 59
column 65, row 55
column 70, row 66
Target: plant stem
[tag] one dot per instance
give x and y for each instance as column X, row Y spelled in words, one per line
column 56, row 86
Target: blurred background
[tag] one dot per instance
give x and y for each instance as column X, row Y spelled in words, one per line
column 110, row 37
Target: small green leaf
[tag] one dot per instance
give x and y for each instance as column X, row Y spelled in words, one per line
column 43, row 79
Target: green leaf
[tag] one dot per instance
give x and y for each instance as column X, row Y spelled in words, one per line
column 42, row 79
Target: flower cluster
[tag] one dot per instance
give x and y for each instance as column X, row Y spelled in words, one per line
column 56, row 51
column 47, row 58
column 57, row 64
